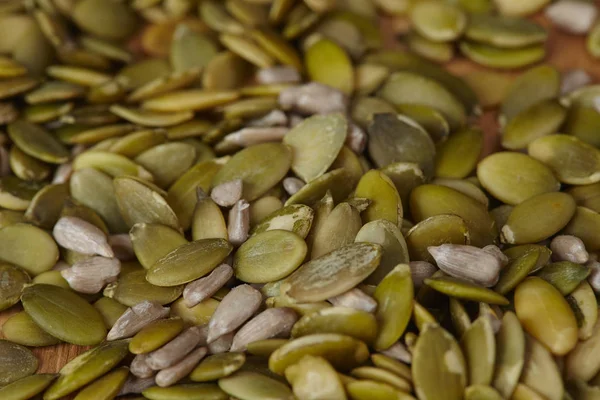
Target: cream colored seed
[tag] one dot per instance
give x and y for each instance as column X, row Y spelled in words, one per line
column 273, row 118
column 496, row 252
column 228, row 193
column 122, row 246
column 421, row 270
column 354, row 298
column 61, row 175
column 235, row 309
column 222, row 344
column 273, row 322
column 356, row 139
column 467, row 262
column 313, row 98
column 573, row 80
column 91, row 274
column 572, row 16
column 399, row 352
column 135, row 385
column 175, row 350
column 199, row 290
column 172, row 375
column 569, row 248
column 135, row 318
column 292, row 185
column 140, row 368
column 278, row 74
column 239, row 222
column 255, row 135
column 81, row 236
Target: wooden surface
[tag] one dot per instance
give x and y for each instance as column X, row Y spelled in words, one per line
column 564, row 51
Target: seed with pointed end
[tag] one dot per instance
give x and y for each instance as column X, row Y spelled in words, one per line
column 92, row 274
column 313, row 98
column 354, row 298
column 81, row 236
column 136, row 318
column 239, row 222
column 235, row 309
column 199, row 290
column 569, row 248
column 228, row 193
column 175, row 350
column 171, row 375
column 273, row 322
column 467, row 262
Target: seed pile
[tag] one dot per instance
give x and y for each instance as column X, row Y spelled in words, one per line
column 252, row 199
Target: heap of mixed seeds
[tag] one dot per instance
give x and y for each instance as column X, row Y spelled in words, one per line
column 252, row 199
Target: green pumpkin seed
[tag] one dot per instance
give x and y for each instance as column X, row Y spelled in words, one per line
column 581, row 362
column 101, row 19
column 208, row 220
column 14, row 281
column 249, row 385
column 28, row 247
column 364, row 108
column 190, row 99
column 440, row 22
column 461, row 321
column 346, row 321
column 164, row 84
column 479, row 346
column 264, row 348
column 151, row 118
column 514, row 177
column 269, row 256
column 581, row 122
column 188, row 262
column 217, row 366
column 556, row 329
column 315, row 377
column 225, row 71
column 153, row 336
column 44, row 113
column 10, row 217
column 583, row 302
column 199, row 391
column 457, row 156
column 385, row 200
column 37, row 142
column 433, row 379
column 46, row 206
column 464, row 186
column 540, row 120
column 502, row 31
column 133, row 288
column 540, row 371
column 248, row 14
column 27, row 387
column 333, row 273
column 491, row 87
column 111, row 310
column 372, row 390
column 510, row 354
column 343, row 352
column 106, row 49
column 16, row 194
column 465, row 290
column 538, row 218
column 429, row 118
column 112, row 164
column 440, row 52
column 564, row 275
column 337, row 181
column 247, row 50
column 369, row 77
column 519, row 251
column 406, row 177
column 52, row 278
column 517, row 269
column 277, row 47
column 10, row 68
column 481, row 392
column 190, row 51
column 17, row 362
column 250, row 108
column 96, row 135
column 200, row 314
column 327, row 63
column 500, row 58
column 135, row 143
column 86, row 367
column 21, row 329
column 216, row 17
column 392, row 365
column 430, row 200
column 80, row 324
column 316, row 143
column 167, row 162
column 106, row 387
column 587, row 196
column 593, row 42
column 15, row 86
column 583, row 225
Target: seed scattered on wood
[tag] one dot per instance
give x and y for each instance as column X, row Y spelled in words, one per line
column 135, row 318
column 239, row 223
column 356, row 139
column 421, row 270
column 273, row 322
column 177, row 372
column 398, row 351
column 139, row 367
column 313, row 98
column 256, row 135
column 199, row 290
column 135, row 385
column 63, row 173
column 278, row 74
column 228, row 193
column 235, row 309
column 569, row 248
column 573, row 80
column 122, row 246
column 92, row 274
column 572, row 16
column 81, row 236
column 222, row 344
column 292, row 185
column 355, row 298
column 496, row 252
column 467, row 262
column 174, row 351
column 273, row 118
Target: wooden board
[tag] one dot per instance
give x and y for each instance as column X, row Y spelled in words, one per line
column 565, row 51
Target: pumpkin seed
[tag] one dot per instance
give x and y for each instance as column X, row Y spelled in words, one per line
column 583, row 302
column 111, row 310
column 200, row 314
column 15, row 86
column 325, row 383
column 21, row 329
column 27, row 387
column 583, row 223
column 500, row 58
column 440, row 52
column 339, row 73
column 439, row 22
column 504, row 31
column 189, row 100
column 564, row 275
column 580, row 362
column 107, row 386
column 133, row 288
column 14, row 281
column 479, row 346
column 465, row 290
column 155, row 335
column 539, row 120
column 17, row 362
column 16, row 194
column 207, row 391
column 99, row 18
column 517, row 269
column 39, row 254
column 540, row 371
column 37, row 142
column 346, row 321
column 254, row 386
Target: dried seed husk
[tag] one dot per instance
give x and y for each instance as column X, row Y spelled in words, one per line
column 502, row 58
column 517, row 270
column 37, row 142
column 394, row 297
column 314, row 377
column 431, row 200
column 268, row 163
column 434, row 379
column 572, row 160
column 440, row 52
column 333, row 273
column 27, row 387
column 513, row 177
column 315, row 144
column 327, row 63
column 204, row 391
column 21, row 329
column 188, row 262
column 538, row 218
column 479, row 346
column 465, row 290
column 540, row 372
column 270, row 323
column 182, row 196
column 111, row 310
column 254, row 386
column 467, row 262
column 584, row 304
column 503, row 31
column 539, row 120
column 346, row 321
column 28, row 247
column 583, row 225
column 17, row 362
column 155, row 335
column 225, row 71
column 200, row 314
column 343, row 352
column 236, row 307
column 439, row 22
column 14, row 280
column 133, row 288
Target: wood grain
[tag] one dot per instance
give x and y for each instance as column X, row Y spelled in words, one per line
column 564, row 51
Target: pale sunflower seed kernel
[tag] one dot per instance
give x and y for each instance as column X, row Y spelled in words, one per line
column 201, row 289
column 594, row 276
column 239, row 222
column 354, row 298
column 398, row 351
column 496, row 252
column 92, row 274
column 572, row 16
column 228, row 193
column 569, row 248
column 140, row 368
column 177, row 372
column 236, row 308
column 574, row 79
column 273, row 322
column 62, row 174
column 278, row 74
column 222, row 344
column 135, row 385
column 122, row 246
column 174, row 351
column 273, row 118
column 81, row 236
column 313, row 98
column 356, row 139
column 292, row 185
column 467, row 262
column 421, row 270
column 256, row 135
column 135, row 318
column 8, row 113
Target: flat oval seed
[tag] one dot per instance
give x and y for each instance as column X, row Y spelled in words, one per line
column 479, row 346
column 439, row 22
column 435, row 231
column 383, row 376
column 27, row 387
column 190, row 100
column 338, row 229
column 503, row 31
column 188, row 262
column 540, row 372
column 14, row 280
column 111, row 310
column 64, row 314
column 439, row 370
column 153, row 241
column 337, row 181
column 217, row 366
column 167, row 162
column 582, row 363
column 314, row 377
column 341, row 351
column 16, row 194
column 204, row 391
column 510, row 354
column 155, row 335
column 254, row 386
column 385, row 200
column 538, row 218
column 37, row 142
column 583, row 302
column 372, row 390
column 333, row 273
column 346, row 321
column 21, row 329
column 17, row 362
column 495, row 57
column 465, row 290
column 516, row 270
column 200, row 314
column 539, row 120
column 296, row 218
column 327, row 63
column 555, row 328
column 564, row 275
column 28, row 247
column 583, row 225
column 481, row 392
column 133, row 288
column 106, row 387
column 514, row 177
column 457, row 156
